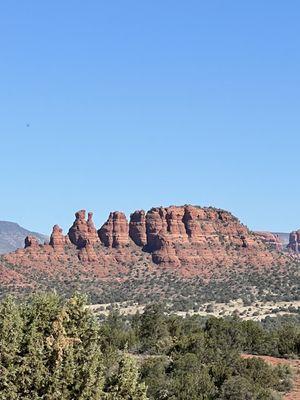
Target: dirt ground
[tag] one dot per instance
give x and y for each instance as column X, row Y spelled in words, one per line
column 255, row 312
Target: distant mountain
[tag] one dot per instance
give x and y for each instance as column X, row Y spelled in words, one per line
column 12, row 236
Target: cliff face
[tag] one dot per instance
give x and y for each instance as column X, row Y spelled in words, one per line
column 272, row 240
column 188, row 240
column 115, row 231
column 137, row 228
column 190, row 236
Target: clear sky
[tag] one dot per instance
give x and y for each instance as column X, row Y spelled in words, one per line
column 133, row 104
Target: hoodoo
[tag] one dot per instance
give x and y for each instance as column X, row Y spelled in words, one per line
column 83, row 230
column 57, row 239
column 189, row 241
column 115, row 231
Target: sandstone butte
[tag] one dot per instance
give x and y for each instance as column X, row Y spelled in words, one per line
column 294, row 241
column 190, row 241
column 271, row 239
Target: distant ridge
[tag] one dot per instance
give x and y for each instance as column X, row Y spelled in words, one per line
column 12, row 236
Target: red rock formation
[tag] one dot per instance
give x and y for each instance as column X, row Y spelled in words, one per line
column 165, row 253
column 83, row 230
column 57, row 239
column 175, row 224
column 186, row 234
column 92, row 231
column 155, row 223
column 205, row 229
column 137, row 228
column 270, row 239
column 192, row 241
column 31, row 241
column 115, row 231
column 191, row 220
column 87, row 253
column 294, row 242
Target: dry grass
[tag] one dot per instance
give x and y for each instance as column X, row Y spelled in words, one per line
column 255, row 312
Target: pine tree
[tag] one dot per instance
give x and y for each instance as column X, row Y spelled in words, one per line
column 124, row 385
column 50, row 350
column 11, row 326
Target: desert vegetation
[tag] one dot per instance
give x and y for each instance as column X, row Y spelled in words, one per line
column 144, row 284
column 54, row 348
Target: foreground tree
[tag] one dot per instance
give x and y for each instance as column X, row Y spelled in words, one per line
column 124, row 384
column 11, row 328
column 50, row 351
column 55, row 349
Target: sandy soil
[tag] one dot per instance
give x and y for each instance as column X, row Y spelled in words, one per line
column 255, row 312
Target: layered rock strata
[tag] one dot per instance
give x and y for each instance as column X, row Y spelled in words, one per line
column 271, row 239
column 115, row 231
column 190, row 240
column 137, row 228
column 57, row 239
column 83, row 231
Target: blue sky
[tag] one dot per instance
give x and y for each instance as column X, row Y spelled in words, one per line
column 134, row 104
